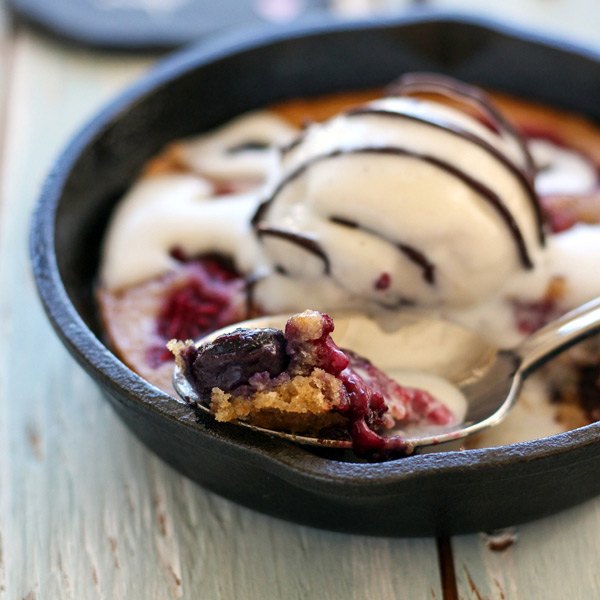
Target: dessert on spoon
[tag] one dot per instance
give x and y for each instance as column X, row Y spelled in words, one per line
column 299, row 384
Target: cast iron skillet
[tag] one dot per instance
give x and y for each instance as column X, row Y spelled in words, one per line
column 206, row 85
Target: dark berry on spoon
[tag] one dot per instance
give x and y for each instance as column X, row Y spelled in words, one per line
column 231, row 360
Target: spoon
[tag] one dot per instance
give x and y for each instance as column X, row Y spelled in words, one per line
column 488, row 378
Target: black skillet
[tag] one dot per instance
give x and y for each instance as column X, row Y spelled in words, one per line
column 203, row 86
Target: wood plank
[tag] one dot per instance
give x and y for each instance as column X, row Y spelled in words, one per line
column 555, row 557
column 5, row 64
column 85, row 510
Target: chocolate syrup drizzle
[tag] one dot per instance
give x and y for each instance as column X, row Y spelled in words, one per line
column 518, row 172
column 411, row 253
column 414, row 83
column 305, row 242
column 487, row 194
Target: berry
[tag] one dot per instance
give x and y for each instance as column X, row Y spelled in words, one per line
column 232, row 359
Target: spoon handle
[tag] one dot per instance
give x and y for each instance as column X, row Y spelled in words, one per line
column 558, row 335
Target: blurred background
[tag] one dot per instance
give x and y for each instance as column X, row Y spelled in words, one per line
column 167, row 23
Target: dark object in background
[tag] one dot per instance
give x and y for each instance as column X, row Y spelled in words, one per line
column 154, row 24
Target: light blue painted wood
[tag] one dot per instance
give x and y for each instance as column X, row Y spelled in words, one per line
column 553, row 558
column 85, row 510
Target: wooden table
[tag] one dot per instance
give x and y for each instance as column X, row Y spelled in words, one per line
column 87, row 512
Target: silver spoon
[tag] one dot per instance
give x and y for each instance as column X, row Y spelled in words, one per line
column 489, row 379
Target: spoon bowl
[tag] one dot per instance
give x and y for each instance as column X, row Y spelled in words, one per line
column 487, row 378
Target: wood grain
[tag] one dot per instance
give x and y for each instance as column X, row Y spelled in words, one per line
column 553, row 558
column 85, row 510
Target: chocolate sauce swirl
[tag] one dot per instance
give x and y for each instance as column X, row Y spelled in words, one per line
column 481, row 189
column 523, row 178
column 411, row 253
column 415, row 83
column 303, row 241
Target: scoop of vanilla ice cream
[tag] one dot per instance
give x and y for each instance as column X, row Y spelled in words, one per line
column 403, row 201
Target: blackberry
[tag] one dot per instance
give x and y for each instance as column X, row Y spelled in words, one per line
column 232, row 359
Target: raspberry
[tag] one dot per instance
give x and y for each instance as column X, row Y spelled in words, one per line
column 202, row 304
column 206, row 300
column 531, row 316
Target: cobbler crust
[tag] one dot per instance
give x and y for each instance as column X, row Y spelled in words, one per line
column 304, row 404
